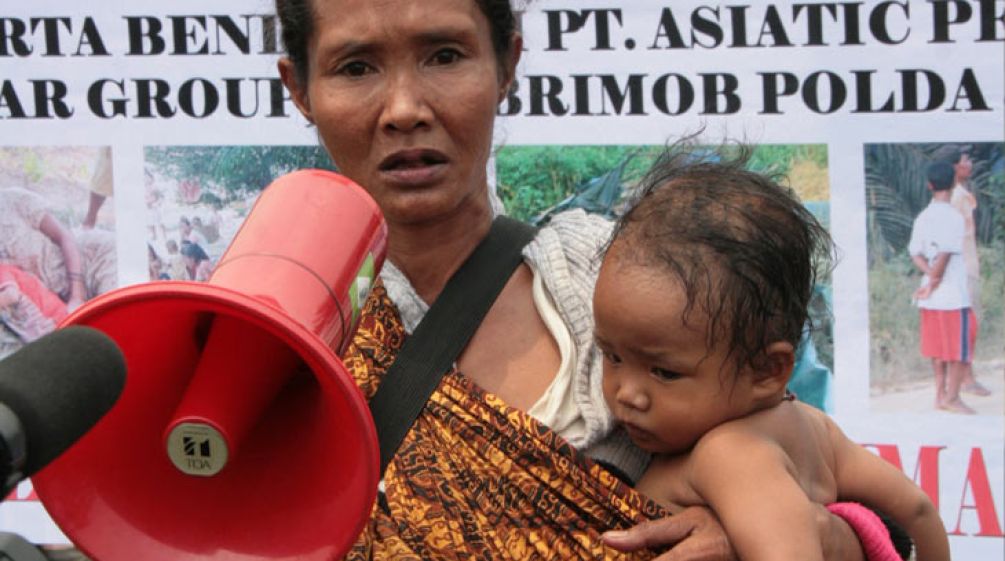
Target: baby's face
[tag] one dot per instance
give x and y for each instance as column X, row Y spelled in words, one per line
column 661, row 380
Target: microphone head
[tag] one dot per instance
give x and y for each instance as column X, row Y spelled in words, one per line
column 59, row 386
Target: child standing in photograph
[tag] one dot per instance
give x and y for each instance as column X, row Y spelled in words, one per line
column 948, row 326
column 700, row 303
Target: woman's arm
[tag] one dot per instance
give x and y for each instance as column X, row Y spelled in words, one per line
column 71, row 259
column 696, row 535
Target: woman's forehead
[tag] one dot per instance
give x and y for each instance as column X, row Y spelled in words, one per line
column 379, row 20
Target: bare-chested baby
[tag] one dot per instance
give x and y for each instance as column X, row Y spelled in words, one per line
column 701, row 300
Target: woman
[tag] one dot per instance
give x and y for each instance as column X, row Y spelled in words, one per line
column 404, row 97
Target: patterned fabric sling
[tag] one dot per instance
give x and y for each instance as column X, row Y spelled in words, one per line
column 477, row 479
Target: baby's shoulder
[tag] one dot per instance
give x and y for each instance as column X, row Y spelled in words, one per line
column 774, row 430
column 750, row 434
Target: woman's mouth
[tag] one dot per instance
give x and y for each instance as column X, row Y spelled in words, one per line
column 413, row 167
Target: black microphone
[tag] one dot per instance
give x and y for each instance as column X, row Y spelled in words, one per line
column 52, row 391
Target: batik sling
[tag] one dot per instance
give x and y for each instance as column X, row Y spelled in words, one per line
column 476, row 479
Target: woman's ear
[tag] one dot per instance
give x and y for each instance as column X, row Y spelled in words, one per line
column 298, row 91
column 776, row 369
column 509, row 72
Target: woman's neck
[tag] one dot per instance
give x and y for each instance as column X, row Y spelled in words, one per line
column 430, row 253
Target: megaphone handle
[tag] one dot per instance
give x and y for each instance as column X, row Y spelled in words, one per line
column 242, row 368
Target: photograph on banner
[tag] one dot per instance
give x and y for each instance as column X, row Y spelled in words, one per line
column 57, row 236
column 536, row 182
column 936, row 258
column 198, row 196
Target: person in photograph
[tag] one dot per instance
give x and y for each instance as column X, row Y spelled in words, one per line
column 513, row 454
column 948, row 325
column 699, row 323
column 187, row 233
column 155, row 202
column 156, row 265
column 210, row 232
column 197, row 262
column 965, row 202
column 75, row 265
column 101, row 187
column 176, row 267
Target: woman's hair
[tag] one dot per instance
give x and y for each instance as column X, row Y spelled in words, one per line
column 744, row 249
column 297, row 20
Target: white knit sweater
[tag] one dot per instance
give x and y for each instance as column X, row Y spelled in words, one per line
column 566, row 255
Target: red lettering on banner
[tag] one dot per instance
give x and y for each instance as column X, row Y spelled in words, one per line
column 926, row 472
column 19, row 494
column 987, row 516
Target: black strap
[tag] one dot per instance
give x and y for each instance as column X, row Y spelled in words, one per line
column 443, row 333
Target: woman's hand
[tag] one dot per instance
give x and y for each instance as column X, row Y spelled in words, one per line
column 694, row 534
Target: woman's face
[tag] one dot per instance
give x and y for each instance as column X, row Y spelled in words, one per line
column 404, row 96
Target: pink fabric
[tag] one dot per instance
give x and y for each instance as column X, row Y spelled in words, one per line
column 871, row 531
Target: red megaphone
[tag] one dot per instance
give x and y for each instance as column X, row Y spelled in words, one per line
column 239, row 434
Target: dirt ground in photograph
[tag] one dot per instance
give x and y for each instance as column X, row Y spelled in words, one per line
column 919, row 396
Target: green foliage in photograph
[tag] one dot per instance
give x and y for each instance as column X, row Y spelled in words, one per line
column 533, row 180
column 896, row 191
column 233, row 172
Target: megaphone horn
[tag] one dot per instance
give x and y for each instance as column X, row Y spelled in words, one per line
column 239, row 434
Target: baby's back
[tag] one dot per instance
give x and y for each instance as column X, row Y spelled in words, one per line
column 810, row 440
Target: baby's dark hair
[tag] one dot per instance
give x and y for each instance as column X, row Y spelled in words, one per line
column 743, row 247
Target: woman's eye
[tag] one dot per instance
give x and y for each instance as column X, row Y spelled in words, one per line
column 446, row 56
column 664, row 374
column 354, row 69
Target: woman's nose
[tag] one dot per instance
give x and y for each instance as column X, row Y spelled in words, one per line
column 406, row 106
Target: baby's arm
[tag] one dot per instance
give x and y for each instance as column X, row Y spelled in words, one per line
column 748, row 481
column 865, row 477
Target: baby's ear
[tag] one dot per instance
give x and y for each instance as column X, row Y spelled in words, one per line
column 776, row 368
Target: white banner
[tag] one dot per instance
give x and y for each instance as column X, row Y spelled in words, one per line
column 849, row 99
